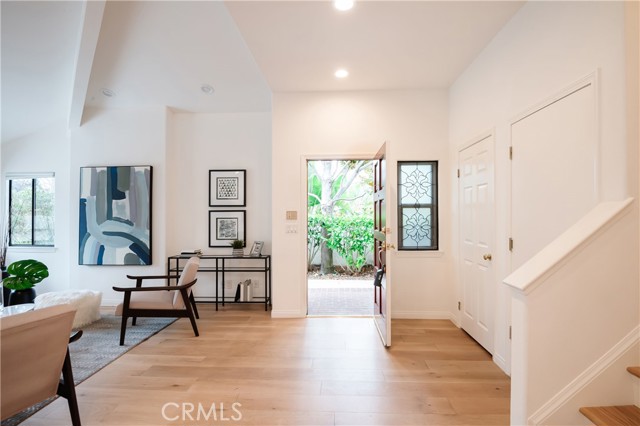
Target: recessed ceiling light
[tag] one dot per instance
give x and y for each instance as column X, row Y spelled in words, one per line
column 207, row 89
column 108, row 93
column 343, row 4
column 341, row 73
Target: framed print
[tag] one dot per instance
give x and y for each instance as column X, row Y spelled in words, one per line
column 256, row 249
column 225, row 226
column 227, row 188
column 115, row 215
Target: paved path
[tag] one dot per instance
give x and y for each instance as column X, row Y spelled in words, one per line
column 340, row 297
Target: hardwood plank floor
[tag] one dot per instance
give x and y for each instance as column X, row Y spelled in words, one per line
column 314, row 371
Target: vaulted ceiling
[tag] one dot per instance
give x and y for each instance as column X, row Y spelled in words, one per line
column 60, row 56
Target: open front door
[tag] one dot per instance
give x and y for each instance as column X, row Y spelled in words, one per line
column 382, row 282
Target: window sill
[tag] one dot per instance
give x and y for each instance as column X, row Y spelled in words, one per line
column 32, row 249
column 424, row 254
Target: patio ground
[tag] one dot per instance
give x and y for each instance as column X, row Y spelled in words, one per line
column 342, row 297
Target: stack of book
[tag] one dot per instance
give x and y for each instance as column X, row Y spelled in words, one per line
column 192, row 252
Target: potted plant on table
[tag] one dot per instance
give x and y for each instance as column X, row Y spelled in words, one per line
column 23, row 275
column 238, row 247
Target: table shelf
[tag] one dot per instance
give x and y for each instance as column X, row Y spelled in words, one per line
column 219, row 265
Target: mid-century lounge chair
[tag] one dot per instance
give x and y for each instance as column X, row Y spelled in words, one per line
column 161, row 301
column 34, row 352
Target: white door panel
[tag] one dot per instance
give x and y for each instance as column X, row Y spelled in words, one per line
column 476, row 241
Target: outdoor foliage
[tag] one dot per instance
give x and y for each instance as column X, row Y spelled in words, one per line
column 336, row 189
column 351, row 237
column 314, row 237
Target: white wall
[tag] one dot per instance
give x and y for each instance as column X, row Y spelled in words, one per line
column 44, row 151
column 343, row 124
column 203, row 142
column 546, row 47
column 112, row 138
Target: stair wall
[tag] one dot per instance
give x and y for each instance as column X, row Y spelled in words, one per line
column 573, row 303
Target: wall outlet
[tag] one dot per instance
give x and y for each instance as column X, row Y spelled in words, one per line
column 228, row 285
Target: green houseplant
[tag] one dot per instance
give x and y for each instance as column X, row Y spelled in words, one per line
column 238, row 247
column 23, row 275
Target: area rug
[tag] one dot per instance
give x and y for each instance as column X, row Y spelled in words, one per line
column 98, row 347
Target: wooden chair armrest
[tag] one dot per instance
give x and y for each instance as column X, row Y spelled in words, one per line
column 151, row 277
column 156, row 288
column 75, row 336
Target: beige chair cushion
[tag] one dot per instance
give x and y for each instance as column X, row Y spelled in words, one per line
column 33, row 348
column 149, row 300
column 188, row 274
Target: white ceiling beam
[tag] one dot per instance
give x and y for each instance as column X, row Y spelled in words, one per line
column 93, row 11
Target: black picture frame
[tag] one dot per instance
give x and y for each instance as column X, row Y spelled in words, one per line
column 227, row 188
column 225, row 226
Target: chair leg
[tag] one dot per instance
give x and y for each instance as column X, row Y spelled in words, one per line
column 123, row 328
column 133, row 320
column 193, row 305
column 67, row 389
column 187, row 305
column 193, row 323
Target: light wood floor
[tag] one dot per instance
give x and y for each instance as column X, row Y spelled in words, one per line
column 315, row 371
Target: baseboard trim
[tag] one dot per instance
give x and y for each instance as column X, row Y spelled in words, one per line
column 422, row 315
column 586, row 377
column 502, row 364
column 287, row 314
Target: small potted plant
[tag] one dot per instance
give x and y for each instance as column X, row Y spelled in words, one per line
column 23, row 275
column 238, row 247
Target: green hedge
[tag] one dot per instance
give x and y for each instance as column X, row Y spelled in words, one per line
column 351, row 237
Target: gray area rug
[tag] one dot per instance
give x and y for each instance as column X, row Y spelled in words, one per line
column 98, row 347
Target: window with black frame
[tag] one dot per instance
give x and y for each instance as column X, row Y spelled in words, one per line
column 31, row 210
column 418, row 205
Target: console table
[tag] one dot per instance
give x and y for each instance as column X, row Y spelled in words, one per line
column 220, row 264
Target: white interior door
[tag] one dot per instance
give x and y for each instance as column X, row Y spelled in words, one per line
column 476, row 203
column 382, row 283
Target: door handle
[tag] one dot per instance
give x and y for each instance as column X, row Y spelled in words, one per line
column 486, row 256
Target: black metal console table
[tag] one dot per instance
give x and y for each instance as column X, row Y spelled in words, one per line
column 219, row 265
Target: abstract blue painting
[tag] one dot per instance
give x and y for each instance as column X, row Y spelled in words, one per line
column 115, row 215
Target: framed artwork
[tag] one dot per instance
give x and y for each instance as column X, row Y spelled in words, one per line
column 226, row 226
column 256, row 249
column 227, row 188
column 115, row 215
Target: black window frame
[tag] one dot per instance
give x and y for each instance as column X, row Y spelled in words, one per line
column 10, row 180
column 433, row 206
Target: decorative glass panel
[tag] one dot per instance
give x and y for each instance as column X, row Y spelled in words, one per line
column 417, row 205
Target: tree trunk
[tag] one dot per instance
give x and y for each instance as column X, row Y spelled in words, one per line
column 326, row 254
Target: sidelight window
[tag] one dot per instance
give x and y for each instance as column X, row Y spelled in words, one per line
column 418, row 205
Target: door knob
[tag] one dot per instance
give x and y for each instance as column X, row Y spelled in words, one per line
column 487, row 256
column 390, row 246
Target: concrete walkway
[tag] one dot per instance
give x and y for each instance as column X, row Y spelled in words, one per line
column 340, row 297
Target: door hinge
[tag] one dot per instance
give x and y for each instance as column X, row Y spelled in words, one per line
column 509, row 332
column 510, row 153
column 458, row 172
column 510, row 244
column 459, row 305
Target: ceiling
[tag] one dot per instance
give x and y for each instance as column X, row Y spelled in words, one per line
column 384, row 44
column 162, row 52
column 38, row 47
